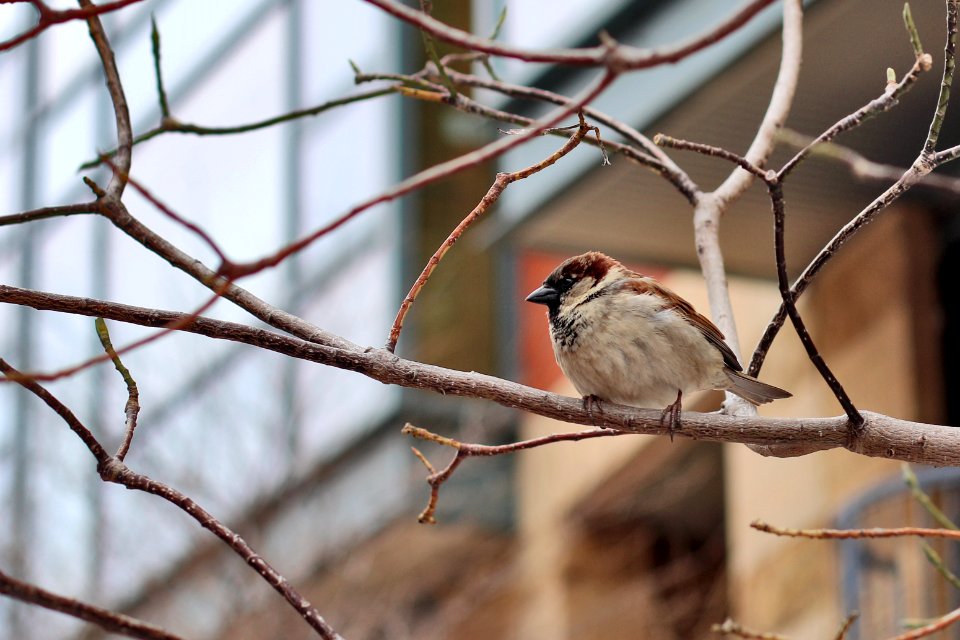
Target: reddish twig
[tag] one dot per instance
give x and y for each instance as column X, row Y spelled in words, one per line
column 117, row 213
column 225, row 263
column 47, row 17
column 181, row 323
column 502, row 181
column 615, row 57
column 731, row 628
column 928, row 630
column 86, row 436
column 431, row 175
column 849, row 534
column 103, row 618
column 468, row 450
column 846, row 625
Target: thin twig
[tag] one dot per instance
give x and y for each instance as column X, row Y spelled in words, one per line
column 910, row 479
column 48, row 17
column 117, row 213
column 467, row 450
column 431, row 49
column 846, row 625
column 103, row 618
column 86, row 436
column 866, row 169
column 661, row 162
column 431, row 175
column 937, row 625
column 854, row 534
column 937, row 563
column 117, row 472
column 172, row 125
column 467, row 105
column 181, row 323
column 709, row 208
column 731, row 628
column 500, row 183
column 617, row 58
column 50, row 212
column 881, row 104
column 132, row 408
column 949, row 61
column 710, row 150
column 120, row 109
column 225, row 263
column 922, row 166
column 155, row 50
column 775, row 189
column 114, row 470
column 912, row 30
column 778, row 109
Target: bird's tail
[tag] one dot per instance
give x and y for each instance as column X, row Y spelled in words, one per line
column 752, row 390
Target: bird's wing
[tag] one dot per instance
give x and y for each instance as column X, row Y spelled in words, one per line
column 642, row 284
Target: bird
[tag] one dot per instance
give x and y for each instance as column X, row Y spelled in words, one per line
column 620, row 336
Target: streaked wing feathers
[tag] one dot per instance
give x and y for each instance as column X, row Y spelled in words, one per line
column 645, row 285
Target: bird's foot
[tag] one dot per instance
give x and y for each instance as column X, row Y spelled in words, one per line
column 591, row 401
column 671, row 411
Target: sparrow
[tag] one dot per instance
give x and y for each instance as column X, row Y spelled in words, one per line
column 623, row 337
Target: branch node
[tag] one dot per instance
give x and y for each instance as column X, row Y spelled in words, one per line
column 97, row 191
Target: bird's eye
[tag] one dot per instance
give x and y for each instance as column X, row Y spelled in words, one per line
column 566, row 283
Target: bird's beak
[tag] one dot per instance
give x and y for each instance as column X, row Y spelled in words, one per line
column 545, row 295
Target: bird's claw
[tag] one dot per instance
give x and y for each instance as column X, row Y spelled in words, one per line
column 671, row 411
column 591, row 401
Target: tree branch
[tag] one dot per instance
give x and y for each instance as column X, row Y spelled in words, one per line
column 937, row 625
column 709, row 208
column 616, row 58
column 853, row 534
column 467, row 450
column 111, row 469
column 500, row 183
column 115, row 89
column 132, row 408
column 775, row 188
column 923, row 165
column 882, row 436
column 433, row 174
column 48, row 17
column 103, row 618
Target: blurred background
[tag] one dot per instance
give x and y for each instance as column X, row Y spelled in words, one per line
column 626, row 538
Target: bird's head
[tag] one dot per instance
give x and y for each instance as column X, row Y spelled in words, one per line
column 575, row 279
